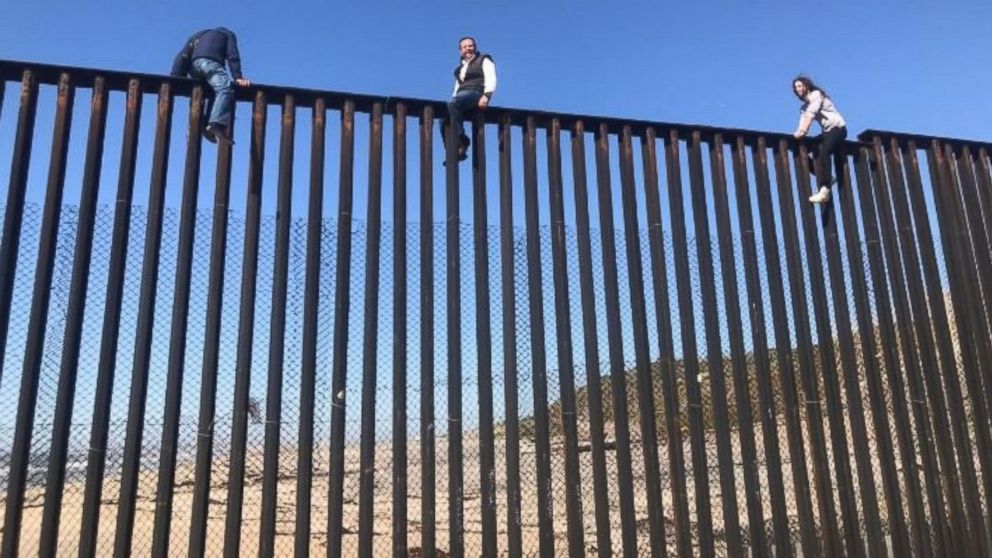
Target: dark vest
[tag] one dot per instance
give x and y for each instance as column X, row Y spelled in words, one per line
column 474, row 78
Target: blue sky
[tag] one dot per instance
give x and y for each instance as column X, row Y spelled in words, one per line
column 903, row 66
column 910, row 66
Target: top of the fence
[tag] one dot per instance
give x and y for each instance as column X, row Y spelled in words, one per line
column 921, row 140
column 12, row 70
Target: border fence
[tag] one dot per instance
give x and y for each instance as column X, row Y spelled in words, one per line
column 597, row 337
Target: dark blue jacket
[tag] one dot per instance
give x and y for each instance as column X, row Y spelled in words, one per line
column 218, row 44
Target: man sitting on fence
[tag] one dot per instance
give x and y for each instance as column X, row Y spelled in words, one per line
column 203, row 57
column 475, row 83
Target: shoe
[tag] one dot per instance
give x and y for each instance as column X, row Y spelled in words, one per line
column 821, row 196
column 215, row 133
column 210, row 134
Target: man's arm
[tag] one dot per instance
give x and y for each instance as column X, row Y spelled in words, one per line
column 184, row 53
column 233, row 56
column 489, row 82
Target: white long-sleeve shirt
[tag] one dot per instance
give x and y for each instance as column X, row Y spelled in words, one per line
column 488, row 73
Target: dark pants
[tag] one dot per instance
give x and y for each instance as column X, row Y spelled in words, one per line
column 828, row 144
column 460, row 105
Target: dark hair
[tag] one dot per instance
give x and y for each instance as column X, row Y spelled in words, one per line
column 474, row 43
column 808, row 83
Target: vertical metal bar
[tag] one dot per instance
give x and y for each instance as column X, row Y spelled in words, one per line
column 742, row 391
column 177, row 335
column 925, row 340
column 311, row 301
column 870, row 352
column 924, row 436
column 19, row 164
column 507, row 280
column 590, row 339
column 339, row 365
column 984, row 185
column 938, row 313
column 802, row 323
column 563, row 330
column 74, row 320
column 427, row 447
column 618, row 372
column 825, row 348
column 487, row 452
column 41, row 293
column 958, row 182
column 763, row 370
column 958, row 262
column 399, row 334
column 690, row 358
column 972, row 206
column 246, row 332
column 714, row 351
column 848, row 360
column 145, row 323
column 211, row 347
column 538, row 353
column 111, row 326
column 456, row 483
column 645, row 387
column 889, row 350
column 366, row 490
column 277, row 331
column 666, row 349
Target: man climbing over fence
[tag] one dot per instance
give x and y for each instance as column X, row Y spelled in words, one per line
column 203, row 57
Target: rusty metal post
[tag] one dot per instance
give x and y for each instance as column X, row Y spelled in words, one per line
column 311, row 300
column 211, row 347
column 99, row 434
column 783, row 346
column 690, row 358
column 72, row 340
column 590, row 337
column 14, row 215
column 897, row 285
column 507, row 281
column 538, row 352
column 800, row 311
column 246, row 332
column 618, row 372
column 400, row 356
column 871, row 352
column 889, row 351
column 277, row 331
column 666, row 368
column 41, row 293
column 177, row 335
column 427, row 437
column 339, row 365
column 824, row 350
column 366, row 490
column 742, row 390
column 645, row 385
column 714, row 350
column 563, row 337
column 848, row 365
column 146, row 320
column 480, row 229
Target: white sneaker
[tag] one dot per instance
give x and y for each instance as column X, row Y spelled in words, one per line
column 822, row 196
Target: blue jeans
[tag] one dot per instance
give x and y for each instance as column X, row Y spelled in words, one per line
column 461, row 103
column 216, row 75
